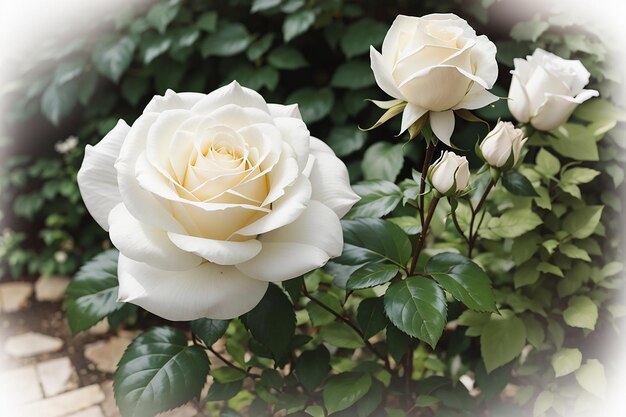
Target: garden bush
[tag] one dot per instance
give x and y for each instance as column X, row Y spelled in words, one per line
column 529, row 343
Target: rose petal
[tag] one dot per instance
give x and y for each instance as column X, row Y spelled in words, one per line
column 382, row 74
column 330, row 180
column 410, row 115
column 519, row 104
column 172, row 100
column 442, row 124
column 555, row 110
column 97, row 178
column 476, row 98
column 139, row 202
column 221, row 252
column 232, row 93
column 208, row 290
column 284, row 210
column 484, row 59
column 280, row 110
column 452, row 84
column 296, row 134
column 306, row 244
column 144, row 243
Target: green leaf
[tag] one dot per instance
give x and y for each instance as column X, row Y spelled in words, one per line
column 465, row 280
column 209, row 330
column 112, row 57
column 259, row 47
column 297, row 23
column 153, row 47
column 383, row 161
column 353, row 75
column 599, row 109
column 592, row 378
column 575, row 141
column 581, row 312
column 255, row 78
column 543, row 403
column 273, row 321
column 514, row 223
column 340, row 335
column 579, row 175
column 92, row 294
column 370, row 402
column 397, row 342
column 391, row 243
column 320, row 316
column 417, row 306
column 581, row 223
column 69, row 70
column 566, row 361
column 518, row 184
column 411, row 225
column 360, row 35
column 259, row 5
column 530, row 30
column 230, row 39
column 208, row 21
column 134, row 88
column 287, row 58
column 502, row 339
column 346, row 139
column 371, row 316
column 371, row 275
column 312, row 367
column 534, row 331
column 526, row 274
column 378, row 198
column 158, row 372
column 227, row 375
column 547, row 164
column 161, row 14
column 314, row 103
column 88, row 85
column 58, row 101
column 223, row 392
column 574, row 252
column 343, row 390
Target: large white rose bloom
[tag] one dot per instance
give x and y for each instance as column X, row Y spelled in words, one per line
column 210, row 197
column 545, row 89
column 437, row 64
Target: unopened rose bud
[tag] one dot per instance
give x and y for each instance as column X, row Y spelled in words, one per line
column 502, row 146
column 450, row 174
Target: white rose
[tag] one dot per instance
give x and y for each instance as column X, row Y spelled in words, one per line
column 437, row 64
column 209, row 197
column 545, row 89
column 503, row 145
column 450, row 173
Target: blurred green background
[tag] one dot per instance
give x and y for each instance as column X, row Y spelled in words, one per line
column 73, row 90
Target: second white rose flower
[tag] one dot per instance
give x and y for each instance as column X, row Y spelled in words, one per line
column 545, row 89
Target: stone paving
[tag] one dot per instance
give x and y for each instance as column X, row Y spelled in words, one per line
column 37, row 376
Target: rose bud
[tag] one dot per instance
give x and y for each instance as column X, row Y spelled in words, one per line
column 450, row 174
column 502, row 146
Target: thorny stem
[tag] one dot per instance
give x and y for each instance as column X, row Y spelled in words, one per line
column 420, row 242
column 473, row 234
column 347, row 321
column 430, row 151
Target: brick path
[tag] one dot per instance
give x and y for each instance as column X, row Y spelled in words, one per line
column 38, row 369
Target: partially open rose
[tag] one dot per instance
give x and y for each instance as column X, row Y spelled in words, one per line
column 436, row 63
column 209, row 197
